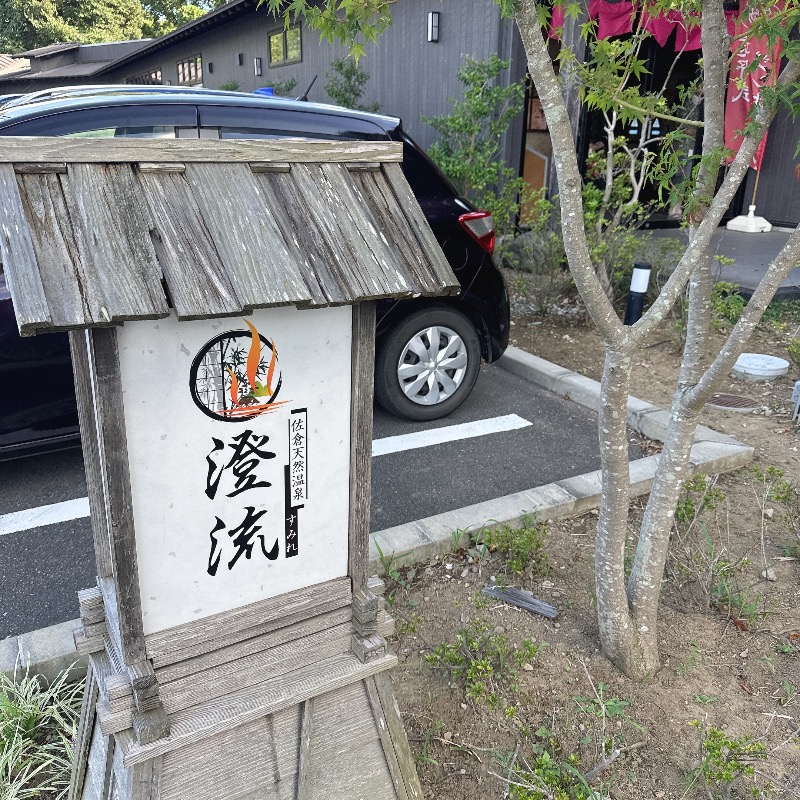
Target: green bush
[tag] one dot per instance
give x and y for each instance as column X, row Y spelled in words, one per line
column 37, row 726
column 345, row 84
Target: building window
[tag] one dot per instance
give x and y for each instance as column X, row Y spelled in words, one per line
column 285, row 47
column 146, row 78
column 190, row 71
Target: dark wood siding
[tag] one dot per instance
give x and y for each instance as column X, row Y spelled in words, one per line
column 778, row 197
column 409, row 77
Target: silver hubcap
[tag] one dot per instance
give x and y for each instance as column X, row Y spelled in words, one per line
column 432, row 365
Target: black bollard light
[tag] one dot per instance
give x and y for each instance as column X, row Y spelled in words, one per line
column 637, row 292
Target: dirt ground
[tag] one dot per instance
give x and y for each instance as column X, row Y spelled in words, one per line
column 729, row 670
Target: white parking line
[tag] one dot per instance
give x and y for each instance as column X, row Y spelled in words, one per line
column 450, row 433
column 79, row 508
column 44, row 515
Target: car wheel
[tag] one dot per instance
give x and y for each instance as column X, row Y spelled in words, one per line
column 427, row 365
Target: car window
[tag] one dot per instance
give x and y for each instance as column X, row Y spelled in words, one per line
column 271, row 123
column 432, row 190
column 131, row 121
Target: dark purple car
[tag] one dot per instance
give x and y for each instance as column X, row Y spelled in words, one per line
column 428, row 351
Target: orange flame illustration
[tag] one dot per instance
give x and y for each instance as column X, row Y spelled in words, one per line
column 253, row 356
column 234, row 386
column 272, row 362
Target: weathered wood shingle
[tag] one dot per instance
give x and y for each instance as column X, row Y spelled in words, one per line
column 99, row 232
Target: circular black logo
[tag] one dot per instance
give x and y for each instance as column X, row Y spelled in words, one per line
column 236, row 376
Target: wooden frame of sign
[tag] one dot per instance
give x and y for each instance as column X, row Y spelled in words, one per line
column 233, row 661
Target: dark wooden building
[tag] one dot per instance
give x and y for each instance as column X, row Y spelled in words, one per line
column 411, row 76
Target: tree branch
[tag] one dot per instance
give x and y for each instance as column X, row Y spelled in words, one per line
column 723, row 363
column 698, row 246
column 576, row 247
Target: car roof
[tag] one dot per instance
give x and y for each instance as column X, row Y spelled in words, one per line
column 53, row 101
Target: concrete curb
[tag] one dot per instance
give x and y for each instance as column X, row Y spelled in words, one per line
column 712, row 452
column 50, row 650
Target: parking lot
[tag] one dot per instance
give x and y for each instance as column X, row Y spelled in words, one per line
column 509, row 436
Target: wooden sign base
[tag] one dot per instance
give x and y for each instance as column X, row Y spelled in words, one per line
column 246, row 707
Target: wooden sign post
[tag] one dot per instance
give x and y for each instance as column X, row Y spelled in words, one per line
column 236, row 641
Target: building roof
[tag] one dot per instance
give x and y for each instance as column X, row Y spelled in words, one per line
column 49, row 50
column 230, row 10
column 76, row 70
column 132, row 228
column 11, row 66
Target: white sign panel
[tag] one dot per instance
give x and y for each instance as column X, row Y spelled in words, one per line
column 239, row 446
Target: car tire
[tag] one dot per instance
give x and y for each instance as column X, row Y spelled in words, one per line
column 420, row 379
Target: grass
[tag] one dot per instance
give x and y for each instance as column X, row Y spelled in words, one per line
column 522, row 547
column 37, row 725
column 484, row 662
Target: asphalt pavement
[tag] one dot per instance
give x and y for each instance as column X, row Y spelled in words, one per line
column 42, row 567
column 752, row 253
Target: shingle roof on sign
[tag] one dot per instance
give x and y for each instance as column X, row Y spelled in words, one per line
column 94, row 232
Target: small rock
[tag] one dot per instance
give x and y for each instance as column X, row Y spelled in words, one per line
column 465, row 572
column 448, row 566
column 769, row 575
column 744, row 654
column 547, row 584
column 557, row 625
column 464, row 706
column 426, row 599
column 768, row 512
column 462, row 772
column 448, row 735
column 660, row 793
column 527, row 667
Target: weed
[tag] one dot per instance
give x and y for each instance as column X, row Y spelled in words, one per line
column 412, row 624
column 699, row 494
column 785, row 649
column 424, row 758
column 725, row 761
column 388, row 568
column 544, row 777
column 726, row 305
column 785, row 492
column 793, row 349
column 695, row 654
column 787, row 695
column 783, row 311
column 457, row 539
column 605, row 708
column 769, row 663
column 522, row 547
column 37, row 725
column 483, row 661
column 739, row 603
column 705, row 699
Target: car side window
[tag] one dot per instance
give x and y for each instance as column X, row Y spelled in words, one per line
column 111, row 121
column 275, row 123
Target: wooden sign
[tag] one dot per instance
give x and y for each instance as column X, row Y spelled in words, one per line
column 239, row 433
column 220, row 304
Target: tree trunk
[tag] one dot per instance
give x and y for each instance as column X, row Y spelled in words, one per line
column 617, row 634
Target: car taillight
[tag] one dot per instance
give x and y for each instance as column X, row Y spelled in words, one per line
column 480, row 226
